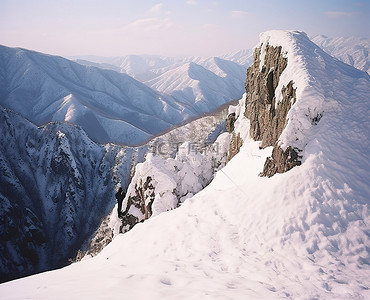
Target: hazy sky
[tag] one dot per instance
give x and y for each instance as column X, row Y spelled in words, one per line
column 169, row 27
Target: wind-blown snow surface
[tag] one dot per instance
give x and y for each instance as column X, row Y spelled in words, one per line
column 303, row 234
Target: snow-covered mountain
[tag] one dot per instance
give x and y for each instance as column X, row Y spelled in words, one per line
column 203, row 81
column 214, row 79
column 147, row 67
column 140, row 67
column 351, row 50
column 299, row 233
column 243, row 57
column 55, row 186
column 109, row 106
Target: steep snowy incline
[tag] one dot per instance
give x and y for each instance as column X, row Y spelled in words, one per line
column 351, row 50
column 302, row 234
column 111, row 107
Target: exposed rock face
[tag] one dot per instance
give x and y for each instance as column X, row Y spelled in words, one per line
column 142, row 200
column 281, row 161
column 102, row 237
column 268, row 117
column 230, row 121
column 235, row 144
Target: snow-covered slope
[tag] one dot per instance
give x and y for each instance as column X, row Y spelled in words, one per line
column 351, row 50
column 55, row 186
column 202, row 142
column 302, row 234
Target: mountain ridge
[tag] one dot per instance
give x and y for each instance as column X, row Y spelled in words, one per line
column 298, row 234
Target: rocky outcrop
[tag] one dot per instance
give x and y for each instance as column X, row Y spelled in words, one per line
column 142, row 200
column 102, row 237
column 268, row 117
column 281, row 161
column 230, row 121
column 235, row 144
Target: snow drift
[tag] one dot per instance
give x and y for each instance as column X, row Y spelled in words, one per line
column 303, row 234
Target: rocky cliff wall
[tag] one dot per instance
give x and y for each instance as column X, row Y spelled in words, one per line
column 267, row 115
column 55, row 186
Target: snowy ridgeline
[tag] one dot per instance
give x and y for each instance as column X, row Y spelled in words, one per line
column 302, row 234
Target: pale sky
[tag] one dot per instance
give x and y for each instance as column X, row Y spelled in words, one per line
column 169, row 27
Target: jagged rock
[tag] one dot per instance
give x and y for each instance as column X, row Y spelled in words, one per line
column 102, row 237
column 230, row 121
column 142, row 200
column 268, row 118
column 281, row 161
column 235, row 143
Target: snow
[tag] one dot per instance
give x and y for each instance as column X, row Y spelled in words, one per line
column 175, row 178
column 302, row 234
column 203, row 81
column 317, row 77
column 351, row 50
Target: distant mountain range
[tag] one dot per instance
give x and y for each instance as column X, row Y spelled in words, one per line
column 351, row 50
column 112, row 106
column 147, row 67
